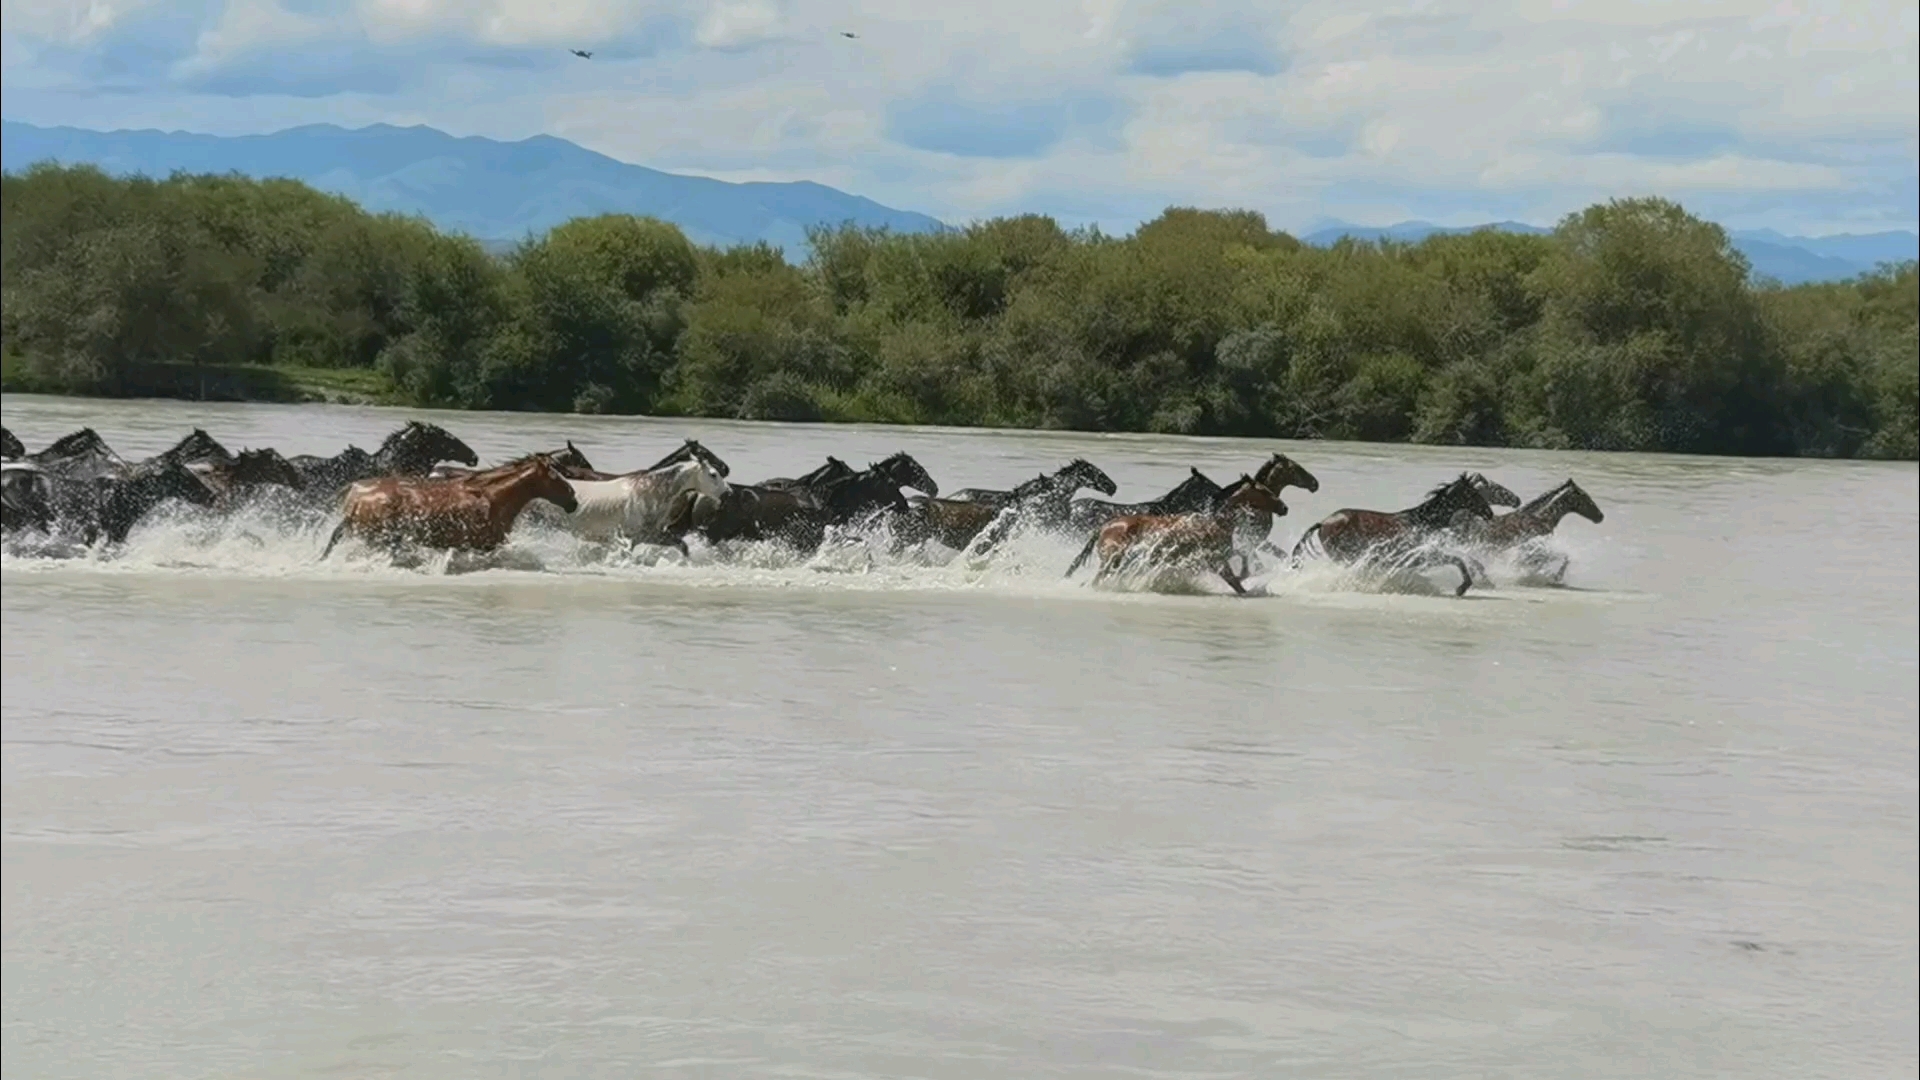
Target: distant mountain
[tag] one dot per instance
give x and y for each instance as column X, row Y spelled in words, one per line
column 497, row 192
column 1791, row 260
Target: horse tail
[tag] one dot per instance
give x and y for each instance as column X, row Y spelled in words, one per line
column 338, row 531
column 1312, row 533
column 1085, row 553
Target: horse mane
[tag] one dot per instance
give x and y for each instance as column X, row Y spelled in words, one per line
column 1442, row 489
column 412, row 428
column 197, row 436
column 1539, row 502
column 78, row 442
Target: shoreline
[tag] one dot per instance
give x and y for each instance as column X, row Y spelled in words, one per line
column 972, row 430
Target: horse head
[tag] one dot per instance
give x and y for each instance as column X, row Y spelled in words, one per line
column 1083, row 473
column 572, row 458
column 1495, row 494
column 548, row 483
column 1281, row 471
column 419, row 446
column 902, row 471
column 696, row 475
column 1575, row 500
column 1249, row 493
column 706, row 457
column 265, row 467
column 691, row 450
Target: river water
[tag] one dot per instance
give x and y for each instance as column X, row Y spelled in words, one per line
column 574, row 816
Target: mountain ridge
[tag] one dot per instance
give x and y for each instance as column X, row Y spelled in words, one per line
column 533, row 184
column 1791, row 260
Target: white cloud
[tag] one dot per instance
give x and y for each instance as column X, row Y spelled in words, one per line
column 1796, row 113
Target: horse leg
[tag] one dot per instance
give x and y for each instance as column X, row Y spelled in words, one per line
column 1300, row 546
column 1480, row 571
column 1227, row 575
column 338, row 531
column 1466, row 576
column 1080, row 559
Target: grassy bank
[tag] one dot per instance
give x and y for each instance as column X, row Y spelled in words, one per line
column 212, row 382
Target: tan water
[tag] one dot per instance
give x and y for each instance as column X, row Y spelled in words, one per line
column 576, row 815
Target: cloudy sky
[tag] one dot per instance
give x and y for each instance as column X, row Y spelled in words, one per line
column 1794, row 114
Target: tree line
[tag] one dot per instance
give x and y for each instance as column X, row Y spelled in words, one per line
column 1632, row 326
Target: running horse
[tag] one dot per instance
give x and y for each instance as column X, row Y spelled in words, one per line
column 651, row 506
column 1535, row 520
column 990, row 516
column 1402, row 539
column 1203, row 539
column 471, row 513
column 874, row 490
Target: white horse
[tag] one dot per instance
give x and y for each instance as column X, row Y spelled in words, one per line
column 639, row 506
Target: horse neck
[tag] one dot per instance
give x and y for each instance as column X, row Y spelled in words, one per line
column 508, row 495
column 1551, row 510
column 1436, row 512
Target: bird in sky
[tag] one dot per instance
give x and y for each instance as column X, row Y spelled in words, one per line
column 848, row 34
column 581, row 53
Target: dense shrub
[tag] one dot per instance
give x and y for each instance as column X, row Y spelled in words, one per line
column 1633, row 326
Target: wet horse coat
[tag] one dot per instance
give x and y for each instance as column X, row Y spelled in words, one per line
column 1205, row 539
column 461, row 514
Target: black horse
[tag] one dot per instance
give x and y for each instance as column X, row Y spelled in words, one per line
column 784, row 509
column 758, row 512
column 125, row 500
column 413, row 450
column 571, row 462
column 81, row 455
column 874, row 491
column 10, row 447
column 810, row 485
column 1192, row 495
column 1044, row 502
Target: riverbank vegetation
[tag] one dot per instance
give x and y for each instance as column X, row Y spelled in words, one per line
column 1634, row 326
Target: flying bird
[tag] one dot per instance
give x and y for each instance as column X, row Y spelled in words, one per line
column 581, row 53
column 848, row 34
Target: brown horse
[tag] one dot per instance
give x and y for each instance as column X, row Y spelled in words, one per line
column 472, row 513
column 1533, row 521
column 1205, row 538
column 1399, row 537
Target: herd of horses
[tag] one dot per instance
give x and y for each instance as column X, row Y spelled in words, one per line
column 423, row 488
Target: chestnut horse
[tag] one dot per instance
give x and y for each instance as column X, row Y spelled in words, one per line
column 465, row 513
column 1205, row 538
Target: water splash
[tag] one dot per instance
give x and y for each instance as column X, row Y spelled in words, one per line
column 268, row 540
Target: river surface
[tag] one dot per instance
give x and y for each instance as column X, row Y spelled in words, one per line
column 575, row 815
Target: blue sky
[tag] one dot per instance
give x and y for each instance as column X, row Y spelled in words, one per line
column 1793, row 114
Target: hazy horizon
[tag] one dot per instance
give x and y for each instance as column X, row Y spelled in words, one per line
column 1094, row 113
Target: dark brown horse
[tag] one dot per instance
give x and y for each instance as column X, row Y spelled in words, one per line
column 1204, row 539
column 568, row 459
column 466, row 514
column 1401, row 539
column 1533, row 521
column 1042, row 502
